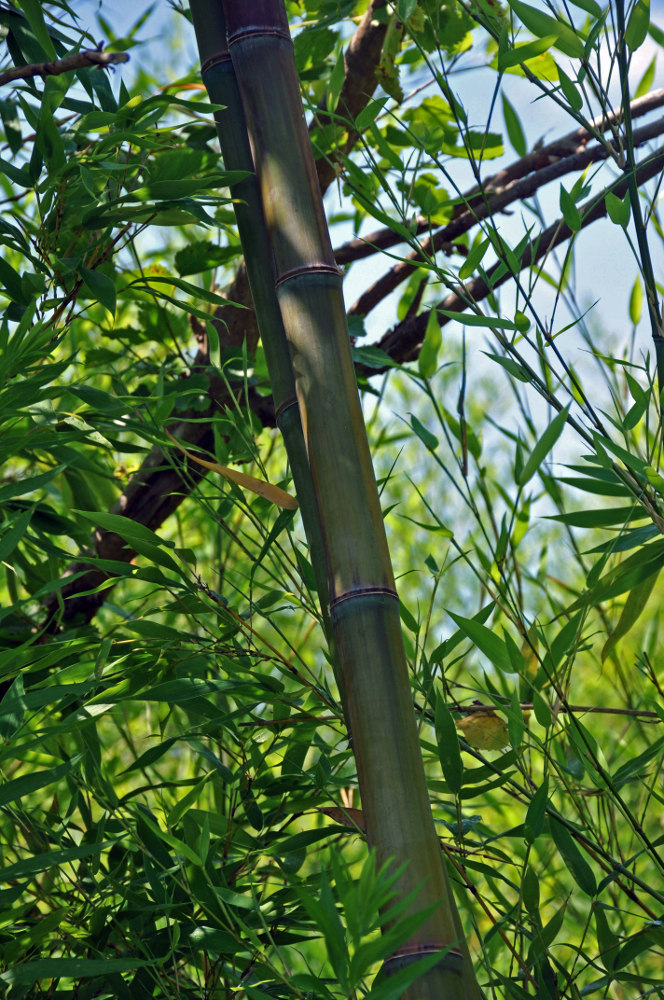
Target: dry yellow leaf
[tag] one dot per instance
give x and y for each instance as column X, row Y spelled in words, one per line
column 259, row 486
column 484, row 731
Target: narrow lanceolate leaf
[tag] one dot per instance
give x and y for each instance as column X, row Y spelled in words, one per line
column 636, row 31
column 514, row 129
column 543, row 447
column 541, row 25
column 571, row 214
column 493, row 647
column 636, row 301
column 576, row 864
column 472, row 319
column 81, row 968
column 273, row 493
column 570, row 91
column 626, row 576
column 634, row 607
column 635, row 767
column 101, row 287
column 13, row 791
column 536, row 813
column 449, row 753
column 427, row 361
column 590, row 7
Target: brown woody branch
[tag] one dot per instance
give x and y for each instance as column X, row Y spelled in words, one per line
column 79, row 60
column 403, row 341
column 496, row 199
column 361, row 59
column 538, row 159
column 161, row 484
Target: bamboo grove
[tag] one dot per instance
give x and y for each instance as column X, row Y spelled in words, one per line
column 310, row 692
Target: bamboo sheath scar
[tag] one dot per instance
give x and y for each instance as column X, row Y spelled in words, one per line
column 364, row 606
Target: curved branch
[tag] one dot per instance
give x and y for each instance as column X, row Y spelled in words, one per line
column 403, row 341
column 78, row 60
column 496, row 199
column 567, row 145
column 160, row 485
column 361, row 60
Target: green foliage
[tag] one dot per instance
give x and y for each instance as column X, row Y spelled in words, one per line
column 179, row 814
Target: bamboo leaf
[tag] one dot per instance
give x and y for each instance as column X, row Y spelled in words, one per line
column 636, row 31
column 35, row 16
column 626, row 576
column 589, row 6
column 427, row 361
column 577, row 865
column 474, row 259
column 536, row 814
column 449, row 753
column 486, row 641
column 570, row 90
column 635, row 767
column 543, row 447
column 543, row 25
column 601, row 517
column 571, row 214
column 514, row 128
column 617, row 208
column 406, row 8
column 70, row 968
column 636, row 301
column 272, row 493
column 427, row 438
column 13, row 791
column 531, row 894
column 472, row 319
column 101, row 287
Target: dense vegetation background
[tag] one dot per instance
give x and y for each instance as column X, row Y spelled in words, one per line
column 179, row 809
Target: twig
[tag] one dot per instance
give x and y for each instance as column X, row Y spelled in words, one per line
column 496, row 199
column 527, row 706
column 79, row 60
column 361, row 79
column 538, row 159
column 404, row 340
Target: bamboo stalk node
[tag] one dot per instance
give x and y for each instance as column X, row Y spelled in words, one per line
column 450, row 959
column 284, row 405
column 362, row 592
column 312, row 267
column 216, row 59
column 263, row 30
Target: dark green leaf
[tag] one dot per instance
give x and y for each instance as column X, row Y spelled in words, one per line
column 449, row 753
column 578, row 867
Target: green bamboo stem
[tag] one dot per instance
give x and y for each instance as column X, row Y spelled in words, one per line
column 364, row 605
column 219, row 78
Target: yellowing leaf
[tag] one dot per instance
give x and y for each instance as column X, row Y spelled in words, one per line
column 259, row 486
column 484, row 731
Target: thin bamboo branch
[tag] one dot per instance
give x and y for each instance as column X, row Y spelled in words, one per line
column 537, row 159
column 78, row 60
column 361, row 61
column 404, row 340
column 158, row 488
column 496, row 197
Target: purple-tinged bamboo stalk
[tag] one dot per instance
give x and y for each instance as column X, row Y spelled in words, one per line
column 364, row 606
